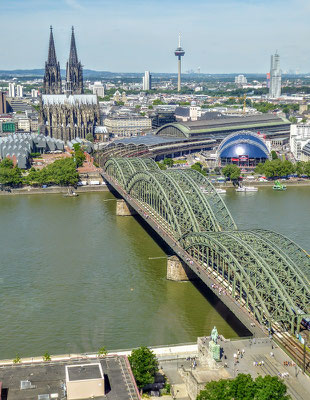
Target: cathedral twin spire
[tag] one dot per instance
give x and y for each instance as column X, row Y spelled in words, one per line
column 74, row 73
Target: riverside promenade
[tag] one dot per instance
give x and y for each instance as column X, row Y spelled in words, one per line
column 186, row 371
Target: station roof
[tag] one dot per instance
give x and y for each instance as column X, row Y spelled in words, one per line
column 204, row 127
column 148, row 140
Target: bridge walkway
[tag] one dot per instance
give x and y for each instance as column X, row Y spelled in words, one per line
column 232, row 304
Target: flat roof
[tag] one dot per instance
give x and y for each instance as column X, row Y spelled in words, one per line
column 148, row 140
column 83, row 372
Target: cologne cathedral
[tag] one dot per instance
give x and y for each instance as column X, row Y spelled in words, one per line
column 66, row 114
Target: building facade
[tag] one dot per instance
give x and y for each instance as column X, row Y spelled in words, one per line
column 147, row 81
column 275, row 77
column 66, row 117
column 3, row 106
column 74, row 75
column 98, row 89
column 127, row 125
column 52, row 77
column 12, row 90
column 299, row 138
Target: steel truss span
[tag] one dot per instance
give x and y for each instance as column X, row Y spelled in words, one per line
column 265, row 271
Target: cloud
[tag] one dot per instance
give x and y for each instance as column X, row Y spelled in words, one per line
column 74, row 4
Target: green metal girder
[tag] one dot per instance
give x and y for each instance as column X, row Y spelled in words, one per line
column 270, row 272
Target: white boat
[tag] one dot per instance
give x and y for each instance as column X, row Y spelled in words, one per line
column 247, row 189
column 220, row 191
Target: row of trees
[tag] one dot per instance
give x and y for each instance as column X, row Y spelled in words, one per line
column 276, row 168
column 243, row 387
column 61, row 172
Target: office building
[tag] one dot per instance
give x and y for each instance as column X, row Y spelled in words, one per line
column 19, row 91
column 299, row 138
column 98, row 89
column 147, row 81
column 12, row 91
column 34, row 93
column 3, row 106
column 127, row 125
column 275, row 77
column 240, row 80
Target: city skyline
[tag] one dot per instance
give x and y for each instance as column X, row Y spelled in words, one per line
column 136, row 36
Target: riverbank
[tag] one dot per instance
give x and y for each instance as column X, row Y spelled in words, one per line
column 54, row 190
column 265, row 184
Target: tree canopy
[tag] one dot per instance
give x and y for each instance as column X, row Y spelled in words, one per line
column 144, row 365
column 10, row 175
column 61, row 172
column 231, row 171
column 199, row 167
column 79, row 155
column 275, row 168
column 243, row 387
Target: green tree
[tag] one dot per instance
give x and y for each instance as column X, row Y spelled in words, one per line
column 299, row 168
column 6, row 163
column 144, row 365
column 46, row 357
column 243, row 387
column 161, row 166
column 274, row 155
column 199, row 167
column 168, row 162
column 157, row 102
column 79, row 155
column 231, row 171
column 10, row 176
column 102, row 352
column 307, row 168
column 90, row 137
column 270, row 388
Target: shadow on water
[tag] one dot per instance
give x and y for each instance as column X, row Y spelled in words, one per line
column 216, row 303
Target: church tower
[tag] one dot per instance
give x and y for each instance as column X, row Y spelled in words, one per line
column 74, row 75
column 52, row 77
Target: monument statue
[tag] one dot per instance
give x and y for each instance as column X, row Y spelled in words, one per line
column 214, row 335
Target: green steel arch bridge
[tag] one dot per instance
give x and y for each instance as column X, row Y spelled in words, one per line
column 265, row 275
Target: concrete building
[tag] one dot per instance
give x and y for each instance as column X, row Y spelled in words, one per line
column 23, row 124
column 19, row 91
column 299, row 138
column 12, row 90
column 147, row 81
column 98, row 89
column 34, row 93
column 275, row 77
column 241, row 80
column 127, row 125
column 3, row 106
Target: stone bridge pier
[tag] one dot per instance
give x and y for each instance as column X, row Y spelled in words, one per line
column 123, row 209
column 177, row 270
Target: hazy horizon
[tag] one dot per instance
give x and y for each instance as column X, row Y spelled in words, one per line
column 135, row 35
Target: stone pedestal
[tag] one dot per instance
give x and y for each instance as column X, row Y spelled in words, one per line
column 124, row 209
column 177, row 270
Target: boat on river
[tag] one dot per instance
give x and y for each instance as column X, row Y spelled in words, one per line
column 246, row 189
column 278, row 186
column 70, row 193
column 220, row 191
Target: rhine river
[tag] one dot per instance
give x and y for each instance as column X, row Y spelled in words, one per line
column 74, row 277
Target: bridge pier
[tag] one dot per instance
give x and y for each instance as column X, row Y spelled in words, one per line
column 177, row 270
column 124, row 209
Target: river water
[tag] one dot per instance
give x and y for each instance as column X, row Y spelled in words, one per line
column 74, row 277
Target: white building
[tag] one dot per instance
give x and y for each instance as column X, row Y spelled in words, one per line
column 19, row 91
column 194, row 111
column 98, row 89
column 12, row 91
column 299, row 138
column 241, row 80
column 34, row 93
column 275, row 77
column 147, row 81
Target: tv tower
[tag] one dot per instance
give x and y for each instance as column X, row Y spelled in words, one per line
column 179, row 52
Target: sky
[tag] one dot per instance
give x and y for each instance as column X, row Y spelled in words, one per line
column 219, row 36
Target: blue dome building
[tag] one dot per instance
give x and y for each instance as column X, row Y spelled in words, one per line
column 244, row 148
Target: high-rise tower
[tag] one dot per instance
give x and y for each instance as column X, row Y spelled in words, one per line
column 179, row 52
column 52, row 77
column 275, row 77
column 74, row 75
